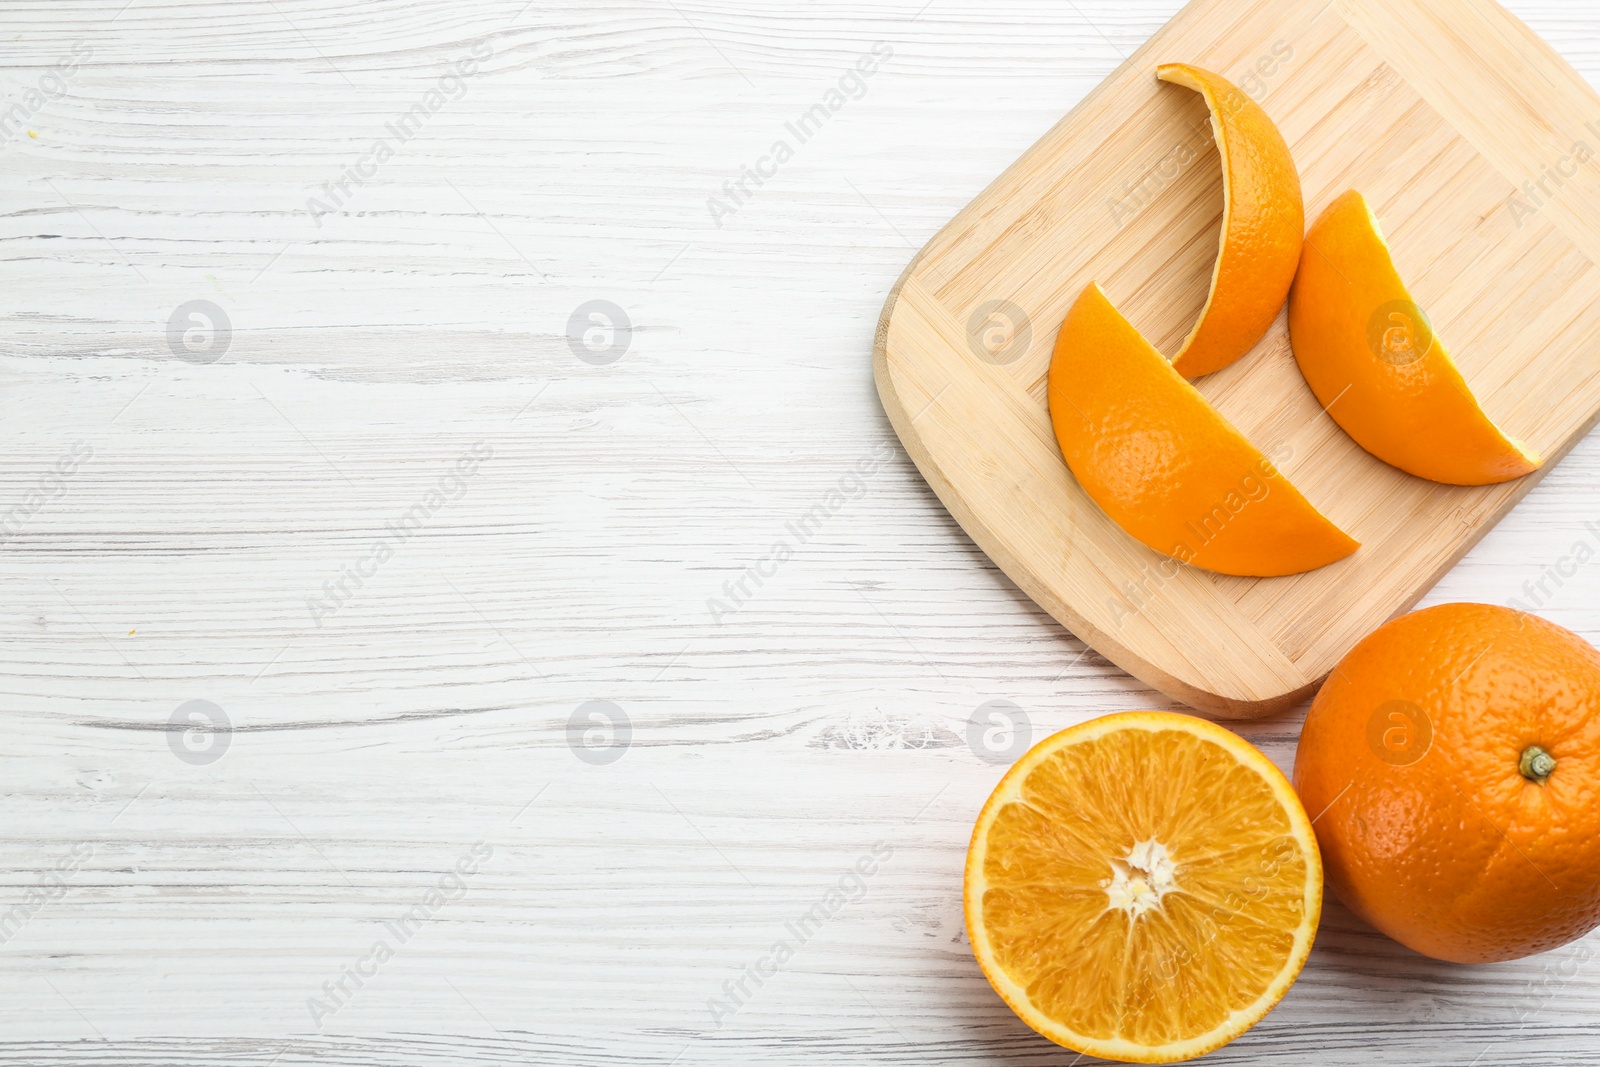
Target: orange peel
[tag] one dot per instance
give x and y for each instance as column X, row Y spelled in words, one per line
column 1165, row 465
column 1263, row 225
column 1452, row 755
column 1372, row 358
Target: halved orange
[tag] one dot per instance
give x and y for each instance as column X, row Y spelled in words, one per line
column 1263, row 224
column 1165, row 465
column 1143, row 887
column 1371, row 356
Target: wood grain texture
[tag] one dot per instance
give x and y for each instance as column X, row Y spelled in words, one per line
column 205, row 904
column 1488, row 188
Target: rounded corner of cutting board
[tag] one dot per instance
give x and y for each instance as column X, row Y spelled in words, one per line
column 882, row 373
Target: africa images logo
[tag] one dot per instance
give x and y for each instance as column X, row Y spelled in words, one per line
column 450, row 487
column 851, row 85
column 451, row 886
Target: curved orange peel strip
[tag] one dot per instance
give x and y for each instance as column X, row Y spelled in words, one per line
column 1371, row 357
column 1165, row 465
column 1263, row 225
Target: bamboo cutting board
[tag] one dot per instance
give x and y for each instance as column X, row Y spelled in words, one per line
column 1478, row 147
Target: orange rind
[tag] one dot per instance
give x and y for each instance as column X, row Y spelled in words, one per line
column 1453, row 757
column 1144, row 887
column 1372, row 358
column 1165, row 465
column 1263, row 225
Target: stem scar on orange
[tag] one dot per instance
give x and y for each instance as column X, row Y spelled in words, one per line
column 1372, row 358
column 1263, row 225
column 1453, row 761
column 1143, row 887
column 1165, row 465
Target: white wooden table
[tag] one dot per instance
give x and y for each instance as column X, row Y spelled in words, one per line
column 399, row 521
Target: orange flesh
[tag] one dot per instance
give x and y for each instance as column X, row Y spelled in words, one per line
column 1143, row 887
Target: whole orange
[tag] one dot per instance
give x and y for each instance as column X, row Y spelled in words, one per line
column 1451, row 766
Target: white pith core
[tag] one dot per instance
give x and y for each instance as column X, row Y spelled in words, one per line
column 1141, row 878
